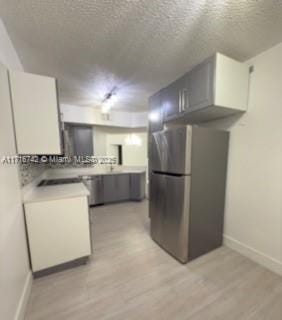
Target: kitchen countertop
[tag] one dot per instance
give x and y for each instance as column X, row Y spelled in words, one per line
column 77, row 172
column 32, row 192
column 56, row 192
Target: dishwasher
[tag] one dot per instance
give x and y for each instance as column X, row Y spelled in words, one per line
column 96, row 188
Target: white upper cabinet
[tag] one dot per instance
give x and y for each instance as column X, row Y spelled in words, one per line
column 36, row 113
column 231, row 83
column 215, row 88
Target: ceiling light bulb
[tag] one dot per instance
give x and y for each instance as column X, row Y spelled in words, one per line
column 105, row 108
column 108, row 103
column 133, row 140
column 154, row 116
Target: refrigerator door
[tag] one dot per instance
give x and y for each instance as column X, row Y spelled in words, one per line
column 169, row 212
column 157, row 205
column 170, row 150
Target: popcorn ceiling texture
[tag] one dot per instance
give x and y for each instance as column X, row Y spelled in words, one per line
column 137, row 45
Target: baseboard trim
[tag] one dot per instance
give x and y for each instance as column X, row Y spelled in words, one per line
column 253, row 254
column 20, row 312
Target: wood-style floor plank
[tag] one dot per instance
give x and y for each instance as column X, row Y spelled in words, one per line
column 130, row 277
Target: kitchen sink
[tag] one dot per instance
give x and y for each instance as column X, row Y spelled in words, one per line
column 52, row 182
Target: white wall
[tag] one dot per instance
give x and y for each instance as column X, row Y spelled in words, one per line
column 133, row 155
column 253, row 216
column 15, row 276
column 105, row 137
column 89, row 115
column 8, row 55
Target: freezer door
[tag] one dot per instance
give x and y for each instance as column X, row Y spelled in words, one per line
column 169, row 212
column 157, row 205
column 170, row 150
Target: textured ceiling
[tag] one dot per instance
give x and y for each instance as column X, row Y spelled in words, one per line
column 137, row 46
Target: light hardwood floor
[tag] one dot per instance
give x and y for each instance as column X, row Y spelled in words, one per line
column 130, row 278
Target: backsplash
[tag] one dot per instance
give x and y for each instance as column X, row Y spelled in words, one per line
column 30, row 171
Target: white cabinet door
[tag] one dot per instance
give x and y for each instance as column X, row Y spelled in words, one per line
column 231, row 83
column 58, row 231
column 36, row 114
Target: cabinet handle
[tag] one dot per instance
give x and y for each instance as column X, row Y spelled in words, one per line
column 180, row 101
column 185, row 99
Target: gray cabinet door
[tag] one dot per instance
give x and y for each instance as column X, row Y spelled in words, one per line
column 137, row 186
column 123, row 186
column 200, row 88
column 176, row 98
column 192, row 91
column 83, row 141
column 155, row 112
column 110, row 190
column 116, row 187
column 171, row 102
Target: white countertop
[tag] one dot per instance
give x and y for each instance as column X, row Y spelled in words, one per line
column 55, row 192
column 32, row 192
column 76, row 172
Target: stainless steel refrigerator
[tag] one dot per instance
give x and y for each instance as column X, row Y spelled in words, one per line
column 187, row 189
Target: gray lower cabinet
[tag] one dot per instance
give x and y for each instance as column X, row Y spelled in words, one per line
column 110, row 192
column 137, row 186
column 124, row 186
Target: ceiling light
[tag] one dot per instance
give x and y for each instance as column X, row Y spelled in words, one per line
column 109, row 101
column 154, row 116
column 133, row 140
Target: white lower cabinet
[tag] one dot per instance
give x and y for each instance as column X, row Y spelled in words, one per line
column 58, row 231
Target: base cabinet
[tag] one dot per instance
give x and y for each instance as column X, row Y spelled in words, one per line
column 137, row 186
column 125, row 186
column 110, row 194
column 58, row 231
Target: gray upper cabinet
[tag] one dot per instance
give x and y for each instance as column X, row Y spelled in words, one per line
column 155, row 112
column 171, row 101
column 83, row 141
column 216, row 88
column 78, row 140
column 200, row 88
column 176, row 99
